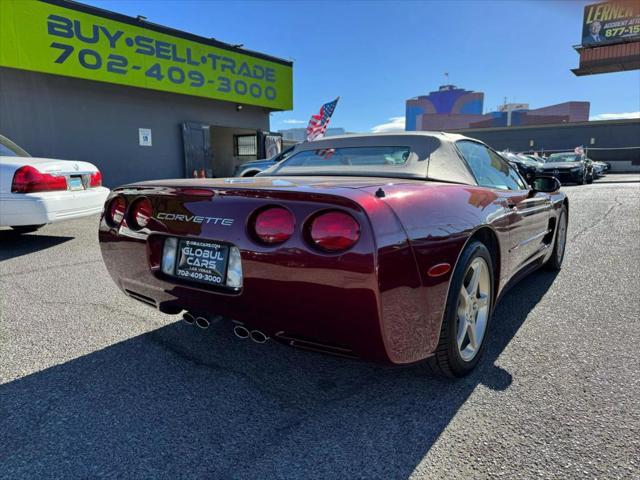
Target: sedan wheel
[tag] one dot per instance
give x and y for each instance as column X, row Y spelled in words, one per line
column 467, row 313
column 473, row 309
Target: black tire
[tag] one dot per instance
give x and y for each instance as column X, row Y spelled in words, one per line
column 26, row 228
column 447, row 360
column 582, row 180
column 555, row 261
column 590, row 178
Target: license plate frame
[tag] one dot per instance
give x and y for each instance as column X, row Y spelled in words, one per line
column 75, row 183
column 202, row 261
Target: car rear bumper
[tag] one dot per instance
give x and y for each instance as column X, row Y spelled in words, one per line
column 321, row 309
column 48, row 207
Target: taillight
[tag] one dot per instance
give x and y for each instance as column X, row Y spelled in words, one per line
column 28, row 179
column 140, row 213
column 334, row 231
column 273, row 225
column 96, row 179
column 115, row 211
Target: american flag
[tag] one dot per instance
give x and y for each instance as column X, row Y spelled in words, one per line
column 318, row 123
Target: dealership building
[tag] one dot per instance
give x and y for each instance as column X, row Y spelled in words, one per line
column 137, row 99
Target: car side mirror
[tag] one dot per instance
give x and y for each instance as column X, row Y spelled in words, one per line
column 544, row 184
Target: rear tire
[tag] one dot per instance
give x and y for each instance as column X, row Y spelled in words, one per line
column 559, row 246
column 467, row 314
column 590, row 178
column 27, row 228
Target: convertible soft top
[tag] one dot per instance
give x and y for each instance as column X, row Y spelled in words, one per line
column 436, row 157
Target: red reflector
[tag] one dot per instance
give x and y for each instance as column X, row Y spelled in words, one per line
column 274, row 225
column 28, row 179
column 115, row 213
column 334, row 231
column 439, row 270
column 96, row 179
column 141, row 212
column 196, row 192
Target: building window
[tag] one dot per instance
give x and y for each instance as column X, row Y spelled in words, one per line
column 245, row 145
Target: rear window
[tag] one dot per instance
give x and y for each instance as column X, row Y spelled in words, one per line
column 564, row 157
column 375, row 159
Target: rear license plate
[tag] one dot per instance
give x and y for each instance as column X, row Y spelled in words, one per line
column 204, row 262
column 75, row 183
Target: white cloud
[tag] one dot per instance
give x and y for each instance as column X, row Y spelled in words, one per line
column 292, row 121
column 395, row 124
column 615, row 116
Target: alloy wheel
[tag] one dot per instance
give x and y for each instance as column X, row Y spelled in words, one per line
column 474, row 302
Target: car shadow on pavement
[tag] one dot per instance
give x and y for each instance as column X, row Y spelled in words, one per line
column 179, row 402
column 13, row 244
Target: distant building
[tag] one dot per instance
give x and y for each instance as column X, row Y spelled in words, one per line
column 510, row 115
column 449, row 107
column 452, row 108
column 300, row 134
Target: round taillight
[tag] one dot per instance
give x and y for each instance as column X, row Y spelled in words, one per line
column 115, row 212
column 140, row 213
column 334, row 231
column 274, row 225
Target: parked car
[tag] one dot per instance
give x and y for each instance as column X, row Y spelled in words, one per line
column 253, row 167
column 527, row 167
column 391, row 247
column 599, row 168
column 37, row 191
column 569, row 167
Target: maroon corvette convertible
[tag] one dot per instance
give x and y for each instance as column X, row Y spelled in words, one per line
column 392, row 248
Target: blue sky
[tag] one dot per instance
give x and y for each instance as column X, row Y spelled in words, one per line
column 376, row 54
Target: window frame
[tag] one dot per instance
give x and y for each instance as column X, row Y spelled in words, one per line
column 236, row 150
column 466, row 163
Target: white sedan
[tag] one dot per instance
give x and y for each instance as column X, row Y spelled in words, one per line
column 37, row 191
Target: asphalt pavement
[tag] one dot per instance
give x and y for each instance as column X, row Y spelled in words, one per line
column 94, row 384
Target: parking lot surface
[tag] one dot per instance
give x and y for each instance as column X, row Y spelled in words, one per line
column 93, row 384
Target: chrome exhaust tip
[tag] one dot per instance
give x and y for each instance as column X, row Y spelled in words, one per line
column 258, row 337
column 188, row 318
column 241, row 332
column 202, row 322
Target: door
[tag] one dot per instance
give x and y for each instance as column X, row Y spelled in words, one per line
column 528, row 214
column 197, row 150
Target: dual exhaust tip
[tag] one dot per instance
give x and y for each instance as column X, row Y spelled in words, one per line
column 243, row 332
column 196, row 320
column 239, row 331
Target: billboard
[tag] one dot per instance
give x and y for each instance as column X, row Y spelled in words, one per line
column 611, row 22
column 49, row 37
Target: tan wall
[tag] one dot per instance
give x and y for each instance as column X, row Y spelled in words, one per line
column 224, row 162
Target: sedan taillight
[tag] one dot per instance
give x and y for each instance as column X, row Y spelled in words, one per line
column 28, row 179
column 334, row 231
column 96, row 179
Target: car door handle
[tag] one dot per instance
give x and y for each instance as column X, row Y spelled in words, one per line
column 512, row 205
